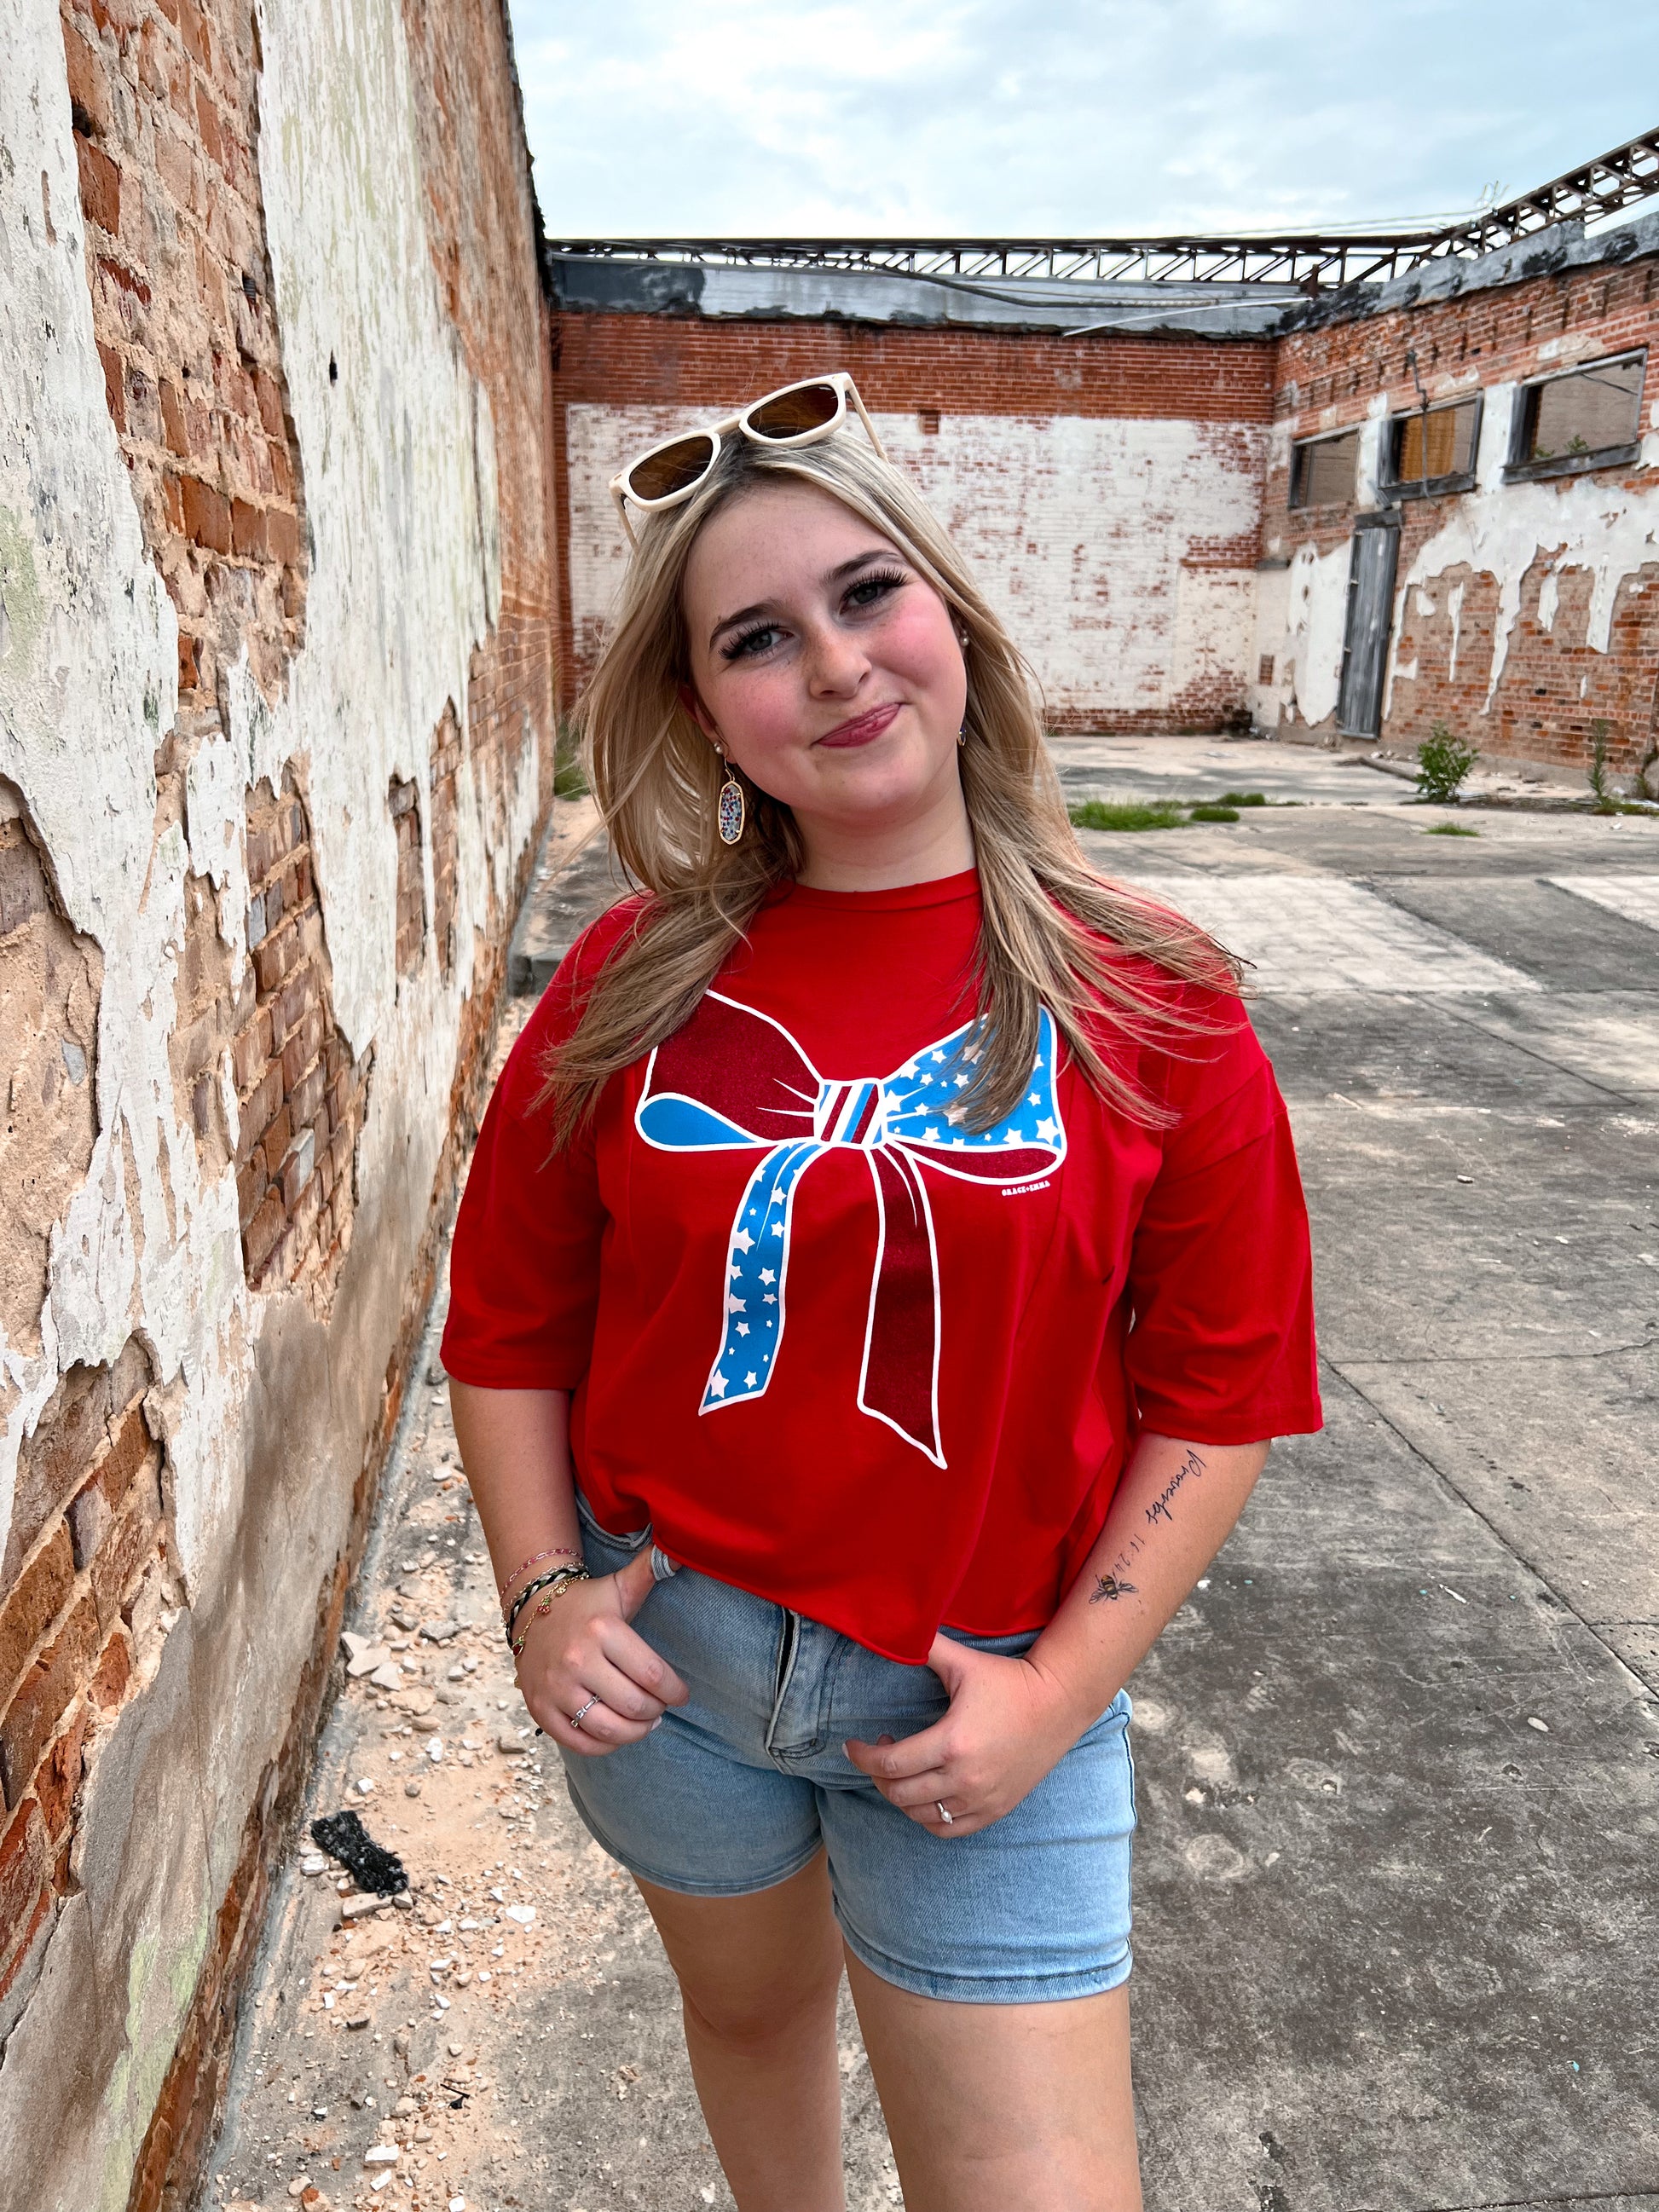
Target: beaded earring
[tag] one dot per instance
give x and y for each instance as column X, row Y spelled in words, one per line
column 733, row 808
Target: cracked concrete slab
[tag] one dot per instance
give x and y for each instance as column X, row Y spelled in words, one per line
column 1398, row 1758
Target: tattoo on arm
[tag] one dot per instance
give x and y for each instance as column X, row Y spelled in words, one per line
column 1115, row 1584
column 1159, row 1509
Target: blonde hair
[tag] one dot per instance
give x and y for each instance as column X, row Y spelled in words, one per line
column 1053, row 933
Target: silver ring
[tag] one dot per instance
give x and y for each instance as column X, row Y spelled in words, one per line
column 949, row 1819
column 576, row 1722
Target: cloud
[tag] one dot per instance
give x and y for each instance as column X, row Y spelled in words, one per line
column 999, row 118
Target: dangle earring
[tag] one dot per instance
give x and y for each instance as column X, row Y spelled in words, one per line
column 732, row 810
column 962, row 735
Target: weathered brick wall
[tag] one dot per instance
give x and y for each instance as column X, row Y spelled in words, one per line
column 1126, row 500
column 165, row 137
column 276, row 733
column 301, row 1094
column 1107, row 490
column 1524, row 613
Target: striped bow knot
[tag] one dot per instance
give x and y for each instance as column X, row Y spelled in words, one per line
column 733, row 1079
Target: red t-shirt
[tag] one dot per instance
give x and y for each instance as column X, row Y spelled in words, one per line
column 841, row 1353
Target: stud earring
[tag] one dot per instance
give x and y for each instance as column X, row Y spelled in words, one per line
column 731, row 812
column 962, row 735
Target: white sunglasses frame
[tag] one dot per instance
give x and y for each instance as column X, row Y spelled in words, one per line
column 845, row 389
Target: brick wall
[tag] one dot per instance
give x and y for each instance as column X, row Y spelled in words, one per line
column 1107, row 490
column 84, row 1571
column 1526, row 617
column 301, row 1092
column 51, row 977
column 403, row 798
column 232, row 985
column 1525, row 614
column 479, row 209
column 166, row 134
column 446, row 760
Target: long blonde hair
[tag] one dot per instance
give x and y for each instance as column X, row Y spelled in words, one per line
column 1053, row 932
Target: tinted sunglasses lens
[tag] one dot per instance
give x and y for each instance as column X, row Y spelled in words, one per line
column 671, row 468
column 808, row 407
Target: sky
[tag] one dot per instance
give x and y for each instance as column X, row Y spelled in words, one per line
column 1049, row 117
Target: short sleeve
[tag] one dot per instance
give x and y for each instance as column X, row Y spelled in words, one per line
column 525, row 1264
column 1221, row 1345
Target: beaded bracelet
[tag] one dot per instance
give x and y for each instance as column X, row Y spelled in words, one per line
column 561, row 1582
column 553, row 1552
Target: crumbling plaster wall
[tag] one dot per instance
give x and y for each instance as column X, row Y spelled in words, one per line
column 266, row 1409
column 1120, row 551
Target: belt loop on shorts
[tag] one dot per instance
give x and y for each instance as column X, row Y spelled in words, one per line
column 789, row 1651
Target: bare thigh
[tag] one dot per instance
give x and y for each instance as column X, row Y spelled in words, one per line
column 1004, row 2108
column 751, row 1965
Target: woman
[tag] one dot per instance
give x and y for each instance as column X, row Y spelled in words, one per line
column 895, row 1231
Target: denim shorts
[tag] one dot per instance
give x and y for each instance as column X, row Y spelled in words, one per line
column 742, row 1786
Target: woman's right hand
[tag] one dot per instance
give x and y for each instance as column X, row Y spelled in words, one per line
column 582, row 1648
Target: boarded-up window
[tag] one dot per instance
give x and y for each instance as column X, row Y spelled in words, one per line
column 1592, row 410
column 1428, row 448
column 1322, row 469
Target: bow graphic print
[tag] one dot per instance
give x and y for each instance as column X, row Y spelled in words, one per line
column 733, row 1079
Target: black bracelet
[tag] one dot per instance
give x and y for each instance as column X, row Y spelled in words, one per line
column 555, row 1581
column 561, row 1582
column 541, row 1582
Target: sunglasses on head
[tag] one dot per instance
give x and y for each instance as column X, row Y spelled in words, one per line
column 799, row 415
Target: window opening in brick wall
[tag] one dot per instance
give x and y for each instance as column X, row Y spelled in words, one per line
column 928, row 418
column 1323, row 470
column 1585, row 418
column 1434, row 452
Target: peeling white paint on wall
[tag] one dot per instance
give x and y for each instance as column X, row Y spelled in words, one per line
column 1502, row 530
column 1318, row 614
column 400, row 481
column 88, row 660
column 401, row 438
column 1090, row 536
column 1497, row 529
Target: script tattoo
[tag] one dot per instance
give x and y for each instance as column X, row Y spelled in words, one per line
column 1160, row 1508
column 1110, row 1586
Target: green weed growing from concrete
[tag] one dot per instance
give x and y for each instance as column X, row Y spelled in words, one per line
column 1443, row 763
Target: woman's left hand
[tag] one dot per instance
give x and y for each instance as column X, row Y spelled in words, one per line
column 1010, row 1722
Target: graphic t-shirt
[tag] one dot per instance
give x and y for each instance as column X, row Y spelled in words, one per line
column 838, row 1349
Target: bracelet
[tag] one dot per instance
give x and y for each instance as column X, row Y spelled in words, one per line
column 561, row 1582
column 553, row 1552
column 527, row 1593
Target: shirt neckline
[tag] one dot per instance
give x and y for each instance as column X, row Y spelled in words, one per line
column 943, row 891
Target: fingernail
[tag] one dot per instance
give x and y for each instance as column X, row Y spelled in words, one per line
column 655, row 1725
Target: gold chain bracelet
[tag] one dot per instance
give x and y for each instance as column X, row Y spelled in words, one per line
column 561, row 1583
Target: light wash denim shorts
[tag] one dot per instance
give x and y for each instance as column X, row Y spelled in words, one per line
column 742, row 1786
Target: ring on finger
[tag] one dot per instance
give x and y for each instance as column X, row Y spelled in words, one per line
column 949, row 1819
column 576, row 1717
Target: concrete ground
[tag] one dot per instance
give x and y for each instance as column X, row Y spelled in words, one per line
column 1399, row 1755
